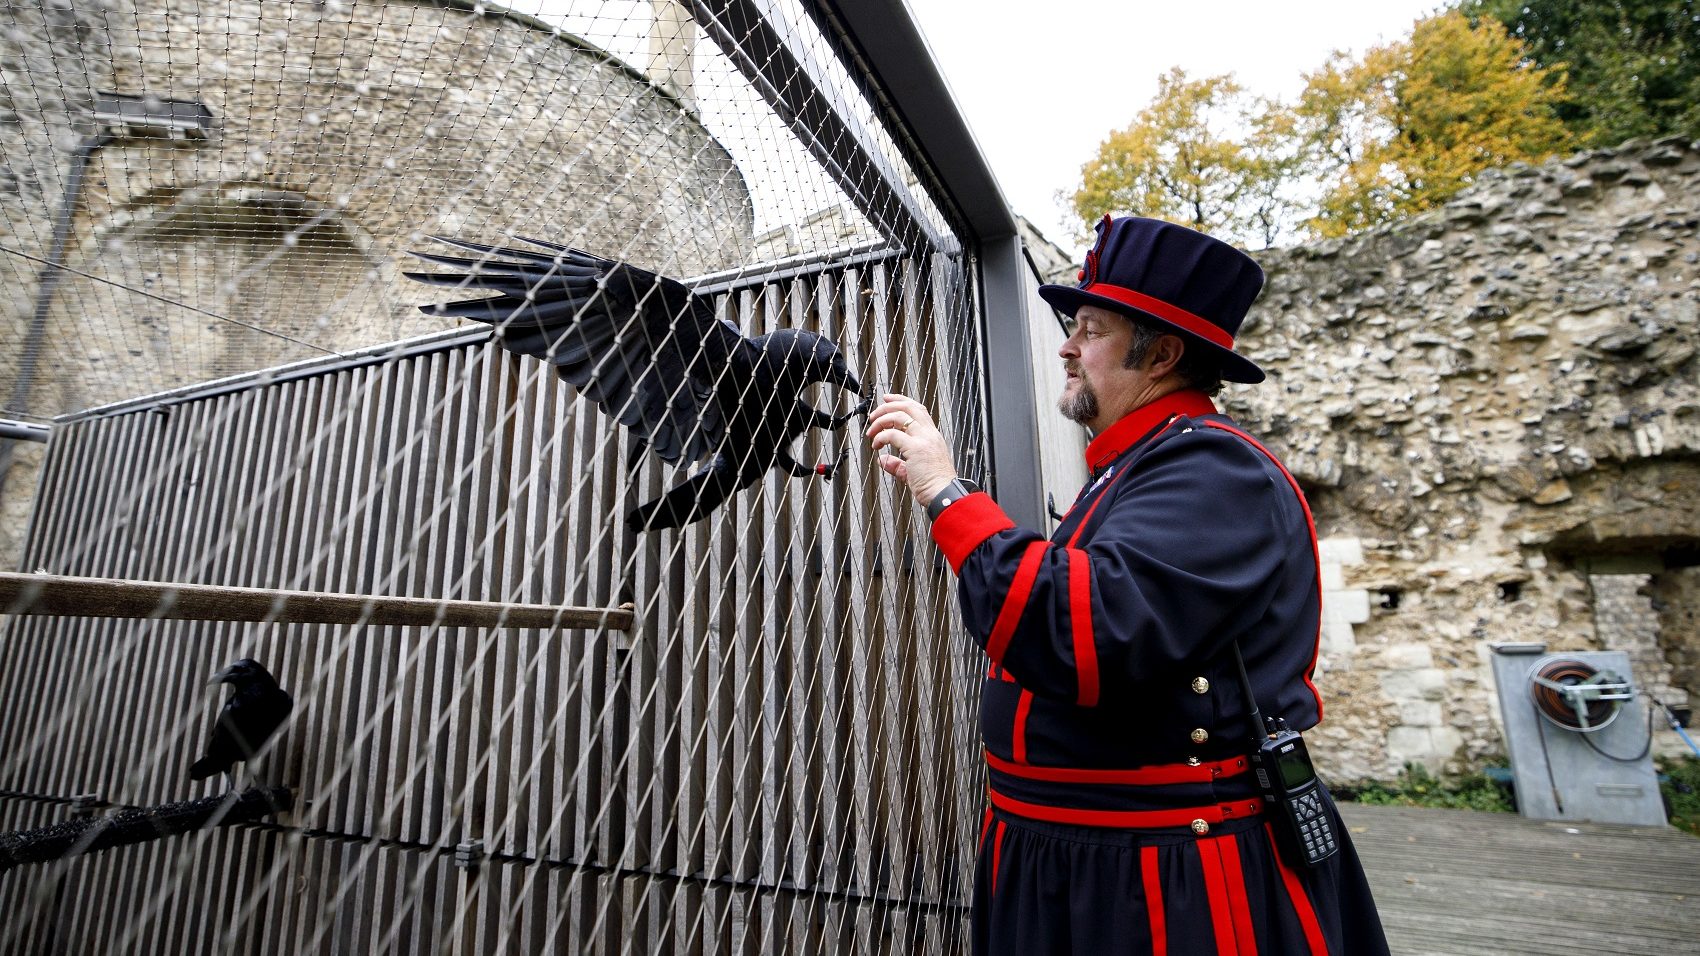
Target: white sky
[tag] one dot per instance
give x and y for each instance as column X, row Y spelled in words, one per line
column 1042, row 84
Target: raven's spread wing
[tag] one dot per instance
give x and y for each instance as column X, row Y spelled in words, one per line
column 640, row 345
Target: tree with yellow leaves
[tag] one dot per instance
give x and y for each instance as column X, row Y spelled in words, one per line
column 1371, row 139
column 1203, row 153
column 1404, row 128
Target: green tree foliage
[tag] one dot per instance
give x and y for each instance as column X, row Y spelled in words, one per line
column 1406, row 126
column 1202, row 153
column 1634, row 65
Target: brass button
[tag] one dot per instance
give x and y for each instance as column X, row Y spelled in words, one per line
column 1200, row 685
column 1193, row 761
column 1200, row 735
column 1200, row 827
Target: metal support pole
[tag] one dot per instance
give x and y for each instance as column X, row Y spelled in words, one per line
column 1014, row 426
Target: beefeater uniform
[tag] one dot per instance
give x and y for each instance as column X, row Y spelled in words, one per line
column 1121, row 814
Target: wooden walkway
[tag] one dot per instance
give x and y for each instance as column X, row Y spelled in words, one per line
column 1462, row 883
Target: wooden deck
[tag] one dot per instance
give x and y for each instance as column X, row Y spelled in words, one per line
column 1461, row 883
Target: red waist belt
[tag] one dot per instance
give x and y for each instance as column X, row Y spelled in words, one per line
column 1157, row 775
column 1129, row 819
column 1152, row 776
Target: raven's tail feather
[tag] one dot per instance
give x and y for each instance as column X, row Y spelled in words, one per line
column 689, row 501
column 204, row 768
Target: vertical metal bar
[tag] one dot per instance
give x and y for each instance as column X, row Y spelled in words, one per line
column 1013, row 428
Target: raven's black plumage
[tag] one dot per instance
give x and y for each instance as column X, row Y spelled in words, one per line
column 256, row 708
column 656, row 357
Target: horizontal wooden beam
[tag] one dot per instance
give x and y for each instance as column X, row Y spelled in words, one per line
column 64, row 596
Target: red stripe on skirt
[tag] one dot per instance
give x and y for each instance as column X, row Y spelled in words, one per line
column 985, row 825
column 1301, row 901
column 997, row 851
column 1238, row 904
column 1216, row 888
column 1154, row 901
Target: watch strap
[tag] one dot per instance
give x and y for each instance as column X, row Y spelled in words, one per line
column 958, row 489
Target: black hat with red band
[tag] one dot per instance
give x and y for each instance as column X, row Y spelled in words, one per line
column 1179, row 277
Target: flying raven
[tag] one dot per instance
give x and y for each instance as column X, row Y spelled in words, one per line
column 251, row 714
column 653, row 355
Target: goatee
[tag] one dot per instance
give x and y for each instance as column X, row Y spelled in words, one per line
column 1080, row 405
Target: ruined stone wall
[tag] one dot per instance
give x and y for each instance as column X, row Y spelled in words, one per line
column 1485, row 405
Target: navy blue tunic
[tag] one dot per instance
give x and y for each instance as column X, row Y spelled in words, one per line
column 1114, row 723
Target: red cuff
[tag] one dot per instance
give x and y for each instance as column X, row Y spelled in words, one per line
column 961, row 527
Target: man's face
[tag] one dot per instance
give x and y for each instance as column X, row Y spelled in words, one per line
column 1100, row 389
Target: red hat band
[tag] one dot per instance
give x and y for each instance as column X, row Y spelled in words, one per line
column 1174, row 315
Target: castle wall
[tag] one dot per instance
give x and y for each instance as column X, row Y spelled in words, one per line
column 1495, row 411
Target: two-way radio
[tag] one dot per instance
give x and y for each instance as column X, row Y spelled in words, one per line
column 1293, row 799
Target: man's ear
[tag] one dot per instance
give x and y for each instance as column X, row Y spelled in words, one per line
column 1164, row 355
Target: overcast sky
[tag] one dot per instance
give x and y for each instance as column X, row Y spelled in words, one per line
column 1042, row 84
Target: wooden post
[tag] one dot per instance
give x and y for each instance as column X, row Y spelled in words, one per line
column 63, row 596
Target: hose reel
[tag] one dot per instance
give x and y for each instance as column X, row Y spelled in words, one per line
column 1577, row 696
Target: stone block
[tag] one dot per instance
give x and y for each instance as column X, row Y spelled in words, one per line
column 1410, row 745
column 1341, row 550
column 1420, row 713
column 1407, row 657
column 1422, row 684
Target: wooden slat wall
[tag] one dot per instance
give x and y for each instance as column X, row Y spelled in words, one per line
column 778, row 757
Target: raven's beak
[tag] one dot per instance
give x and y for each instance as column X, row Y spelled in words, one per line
column 222, row 676
column 847, row 379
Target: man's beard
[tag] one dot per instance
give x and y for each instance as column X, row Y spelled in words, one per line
column 1080, row 405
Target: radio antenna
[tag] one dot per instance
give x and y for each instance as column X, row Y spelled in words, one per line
column 1258, row 731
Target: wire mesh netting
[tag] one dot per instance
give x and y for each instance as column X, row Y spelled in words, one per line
column 756, row 732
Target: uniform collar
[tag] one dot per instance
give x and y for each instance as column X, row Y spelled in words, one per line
column 1131, row 428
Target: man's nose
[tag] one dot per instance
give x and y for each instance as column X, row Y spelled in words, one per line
column 1068, row 350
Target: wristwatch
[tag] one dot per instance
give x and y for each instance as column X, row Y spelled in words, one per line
column 958, row 489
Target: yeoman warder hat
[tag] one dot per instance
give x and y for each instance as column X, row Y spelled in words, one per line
column 1179, row 277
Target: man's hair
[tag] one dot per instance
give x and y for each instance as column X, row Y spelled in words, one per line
column 1197, row 368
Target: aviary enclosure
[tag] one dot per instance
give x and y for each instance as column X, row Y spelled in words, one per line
column 519, row 723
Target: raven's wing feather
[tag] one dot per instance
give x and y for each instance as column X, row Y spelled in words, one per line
column 244, row 724
column 642, row 346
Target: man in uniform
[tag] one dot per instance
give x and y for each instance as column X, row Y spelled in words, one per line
column 1123, row 812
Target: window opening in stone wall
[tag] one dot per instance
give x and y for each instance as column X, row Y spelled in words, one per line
column 1639, row 613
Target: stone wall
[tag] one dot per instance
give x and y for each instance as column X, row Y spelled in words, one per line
column 1486, row 405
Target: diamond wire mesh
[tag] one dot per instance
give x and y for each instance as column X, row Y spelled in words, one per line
column 776, row 757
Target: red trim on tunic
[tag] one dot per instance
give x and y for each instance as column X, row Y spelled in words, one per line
column 1136, row 425
column 1154, row 901
column 1315, row 550
column 1156, row 775
column 985, row 825
column 1301, row 900
column 1216, row 888
column 1080, row 621
column 997, row 853
column 1015, row 601
column 1127, row 819
column 1168, row 312
column 1018, row 736
column 962, row 527
column 1238, row 903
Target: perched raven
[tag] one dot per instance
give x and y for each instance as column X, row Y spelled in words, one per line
column 654, row 356
column 248, row 719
